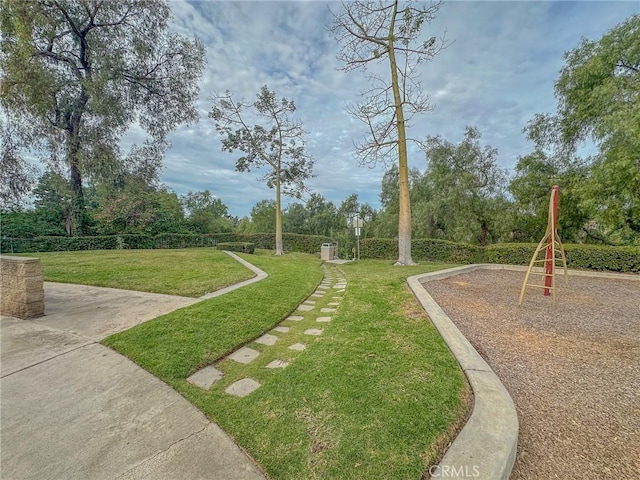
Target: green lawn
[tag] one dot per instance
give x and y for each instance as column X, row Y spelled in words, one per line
column 188, row 272
column 374, row 397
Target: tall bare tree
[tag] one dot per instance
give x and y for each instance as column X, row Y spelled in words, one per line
column 389, row 33
column 80, row 72
column 277, row 142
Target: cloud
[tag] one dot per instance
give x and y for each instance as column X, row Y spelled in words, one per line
column 496, row 74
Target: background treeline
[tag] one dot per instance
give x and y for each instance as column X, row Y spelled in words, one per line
column 461, row 195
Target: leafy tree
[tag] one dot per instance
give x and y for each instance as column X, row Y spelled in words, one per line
column 469, row 202
column 141, row 211
column 244, row 225
column 206, row 213
column 16, row 174
column 80, row 72
column 263, row 216
column 375, row 32
column 323, row 216
column 296, row 218
column 535, row 175
column 53, row 195
column 277, row 143
column 598, row 94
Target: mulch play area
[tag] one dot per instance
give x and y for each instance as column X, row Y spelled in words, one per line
column 573, row 373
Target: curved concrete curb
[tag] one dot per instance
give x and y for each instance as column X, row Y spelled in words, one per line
column 486, row 446
column 260, row 275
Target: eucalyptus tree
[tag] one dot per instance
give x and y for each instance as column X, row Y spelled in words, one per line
column 79, row 73
column 378, row 32
column 275, row 142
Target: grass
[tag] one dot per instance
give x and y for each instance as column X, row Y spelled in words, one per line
column 188, row 272
column 374, row 397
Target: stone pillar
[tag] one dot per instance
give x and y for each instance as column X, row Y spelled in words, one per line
column 22, row 287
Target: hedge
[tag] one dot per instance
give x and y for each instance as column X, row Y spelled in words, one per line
column 291, row 242
column 592, row 257
column 422, row 249
column 244, row 247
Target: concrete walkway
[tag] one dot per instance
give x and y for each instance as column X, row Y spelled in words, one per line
column 73, row 409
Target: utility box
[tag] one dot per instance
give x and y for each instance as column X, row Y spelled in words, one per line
column 327, row 251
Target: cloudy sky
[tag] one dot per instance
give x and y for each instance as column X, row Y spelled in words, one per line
column 496, row 74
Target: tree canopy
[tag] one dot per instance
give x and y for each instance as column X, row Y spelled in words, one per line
column 598, row 94
column 78, row 73
column 276, row 142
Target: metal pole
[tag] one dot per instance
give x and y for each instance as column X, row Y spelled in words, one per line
column 358, row 247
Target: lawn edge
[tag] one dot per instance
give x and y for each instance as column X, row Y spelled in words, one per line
column 259, row 275
column 487, row 444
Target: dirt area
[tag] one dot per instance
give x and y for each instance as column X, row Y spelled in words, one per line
column 574, row 374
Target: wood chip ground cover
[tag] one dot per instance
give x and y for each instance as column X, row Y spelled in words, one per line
column 574, row 374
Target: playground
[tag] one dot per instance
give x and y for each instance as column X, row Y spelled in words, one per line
column 573, row 373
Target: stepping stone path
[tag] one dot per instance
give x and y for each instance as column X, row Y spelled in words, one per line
column 243, row 387
column 277, row 364
column 267, row 339
column 244, row 355
column 313, row 331
column 206, row 377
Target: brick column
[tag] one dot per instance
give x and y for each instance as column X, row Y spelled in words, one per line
column 22, row 293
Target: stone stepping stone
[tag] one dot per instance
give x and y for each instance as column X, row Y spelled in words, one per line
column 340, row 291
column 243, row 387
column 282, row 329
column 295, row 318
column 327, row 310
column 267, row 339
column 323, row 319
column 277, row 364
column 244, row 355
column 317, row 295
column 298, row 346
column 205, row 377
column 305, row 308
column 333, row 303
column 313, row 331
column 339, row 286
column 336, row 298
column 310, row 302
column 322, row 287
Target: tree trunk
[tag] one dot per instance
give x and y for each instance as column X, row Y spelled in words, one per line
column 404, row 220
column 483, row 234
column 77, row 200
column 279, row 249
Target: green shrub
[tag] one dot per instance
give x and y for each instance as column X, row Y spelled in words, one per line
column 244, row 247
column 592, row 257
column 509, row 253
column 598, row 257
column 422, row 249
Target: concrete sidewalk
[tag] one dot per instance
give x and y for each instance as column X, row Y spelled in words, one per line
column 74, row 409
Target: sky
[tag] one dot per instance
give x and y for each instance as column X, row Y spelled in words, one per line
column 497, row 72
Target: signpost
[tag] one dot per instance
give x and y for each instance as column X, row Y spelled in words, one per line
column 356, row 223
